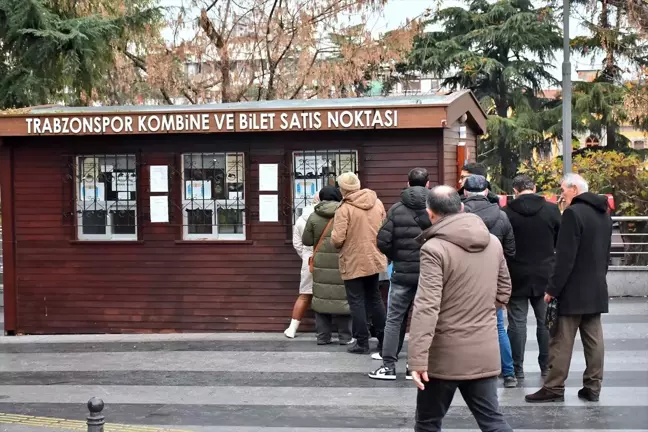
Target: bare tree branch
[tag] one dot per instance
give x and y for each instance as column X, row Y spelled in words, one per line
column 303, row 81
column 208, row 27
column 166, row 96
column 186, row 94
column 211, row 5
column 137, row 61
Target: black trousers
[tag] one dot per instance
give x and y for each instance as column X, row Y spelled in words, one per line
column 364, row 297
column 480, row 395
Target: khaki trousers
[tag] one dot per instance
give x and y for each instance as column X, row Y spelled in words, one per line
column 561, row 347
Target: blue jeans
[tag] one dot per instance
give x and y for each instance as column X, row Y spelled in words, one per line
column 505, row 345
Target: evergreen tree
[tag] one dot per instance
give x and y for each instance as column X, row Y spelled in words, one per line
column 54, row 50
column 599, row 105
column 502, row 51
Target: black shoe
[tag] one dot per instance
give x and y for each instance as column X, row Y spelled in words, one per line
column 356, row 348
column 544, row 395
column 324, row 342
column 408, row 374
column 383, row 373
column 519, row 374
column 588, row 395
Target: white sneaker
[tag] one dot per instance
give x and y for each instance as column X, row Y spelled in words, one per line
column 291, row 331
column 376, row 356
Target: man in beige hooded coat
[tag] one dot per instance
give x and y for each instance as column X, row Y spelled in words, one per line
column 356, row 225
column 453, row 335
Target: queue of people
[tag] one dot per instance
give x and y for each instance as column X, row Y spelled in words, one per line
column 458, row 262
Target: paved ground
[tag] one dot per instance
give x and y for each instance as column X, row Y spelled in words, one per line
column 265, row 383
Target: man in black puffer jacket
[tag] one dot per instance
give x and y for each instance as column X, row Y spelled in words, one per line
column 406, row 220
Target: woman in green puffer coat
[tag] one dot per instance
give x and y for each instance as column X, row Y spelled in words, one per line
column 329, row 295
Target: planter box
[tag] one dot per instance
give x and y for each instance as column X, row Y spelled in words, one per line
column 627, row 281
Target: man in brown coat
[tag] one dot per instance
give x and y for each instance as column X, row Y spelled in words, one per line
column 453, row 335
column 356, row 225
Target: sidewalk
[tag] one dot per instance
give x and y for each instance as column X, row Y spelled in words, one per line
column 259, row 382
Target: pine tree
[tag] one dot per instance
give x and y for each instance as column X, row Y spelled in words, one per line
column 599, row 105
column 56, row 50
column 502, row 51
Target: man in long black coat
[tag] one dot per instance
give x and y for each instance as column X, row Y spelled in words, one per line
column 535, row 225
column 397, row 239
column 579, row 283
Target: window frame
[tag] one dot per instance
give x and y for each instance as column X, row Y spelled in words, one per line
column 109, row 206
column 213, row 204
column 319, row 179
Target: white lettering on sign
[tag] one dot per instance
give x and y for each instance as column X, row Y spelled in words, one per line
column 217, row 122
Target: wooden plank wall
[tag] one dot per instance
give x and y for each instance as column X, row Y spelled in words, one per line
column 451, row 140
column 161, row 283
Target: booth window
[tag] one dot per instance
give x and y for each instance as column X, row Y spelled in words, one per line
column 106, row 197
column 213, row 196
column 315, row 169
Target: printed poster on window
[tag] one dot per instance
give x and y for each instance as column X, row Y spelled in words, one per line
column 234, row 168
column 305, row 189
column 346, row 163
column 124, row 182
column 92, row 191
column 310, row 166
column 198, row 190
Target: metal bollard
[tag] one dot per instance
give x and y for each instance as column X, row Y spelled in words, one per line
column 96, row 420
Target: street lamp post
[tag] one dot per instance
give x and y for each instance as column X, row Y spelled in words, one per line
column 566, row 94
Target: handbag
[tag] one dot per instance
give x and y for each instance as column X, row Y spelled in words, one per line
column 311, row 259
column 551, row 317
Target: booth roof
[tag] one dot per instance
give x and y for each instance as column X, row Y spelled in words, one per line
column 439, row 100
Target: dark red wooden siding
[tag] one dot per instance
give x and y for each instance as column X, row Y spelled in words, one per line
column 451, row 140
column 160, row 283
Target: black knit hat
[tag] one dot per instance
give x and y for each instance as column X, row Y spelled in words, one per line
column 330, row 193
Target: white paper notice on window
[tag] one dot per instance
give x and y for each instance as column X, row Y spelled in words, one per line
column 268, row 208
column 159, row 209
column 268, row 177
column 159, row 178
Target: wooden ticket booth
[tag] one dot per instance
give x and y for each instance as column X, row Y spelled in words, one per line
column 179, row 218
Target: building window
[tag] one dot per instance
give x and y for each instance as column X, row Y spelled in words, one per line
column 313, row 170
column 107, row 197
column 213, row 196
column 639, row 145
